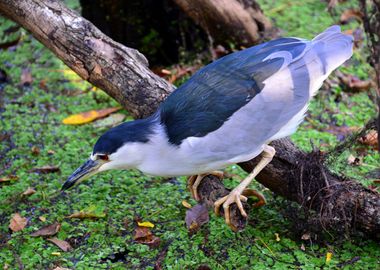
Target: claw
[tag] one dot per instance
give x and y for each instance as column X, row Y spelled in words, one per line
column 237, row 197
column 195, row 180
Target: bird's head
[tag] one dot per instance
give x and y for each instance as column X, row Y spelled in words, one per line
column 118, row 148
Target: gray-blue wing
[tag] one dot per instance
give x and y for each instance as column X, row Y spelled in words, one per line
column 214, row 93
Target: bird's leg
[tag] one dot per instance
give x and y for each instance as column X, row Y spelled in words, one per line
column 240, row 192
column 195, row 180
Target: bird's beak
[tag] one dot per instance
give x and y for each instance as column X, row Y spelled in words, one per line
column 89, row 168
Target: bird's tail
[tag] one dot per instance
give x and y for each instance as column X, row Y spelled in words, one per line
column 334, row 47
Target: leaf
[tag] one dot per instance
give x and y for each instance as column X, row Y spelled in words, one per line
column 48, row 230
column 29, row 191
column 353, row 84
column 196, row 217
column 90, row 212
column 46, row 169
column 370, row 138
column 110, row 121
column 278, row 239
column 65, row 246
column 305, row 236
column 35, row 151
column 145, row 224
column 61, row 268
column 89, row 116
column 26, row 77
column 355, row 161
column 351, row 14
column 328, row 257
column 17, row 223
column 186, row 204
column 8, row 178
column 42, row 218
column 143, row 235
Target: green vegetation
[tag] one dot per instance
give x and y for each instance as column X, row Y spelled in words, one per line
column 31, row 116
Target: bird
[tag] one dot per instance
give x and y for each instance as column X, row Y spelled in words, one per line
column 227, row 112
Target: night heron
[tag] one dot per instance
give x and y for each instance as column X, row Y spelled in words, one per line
column 227, row 112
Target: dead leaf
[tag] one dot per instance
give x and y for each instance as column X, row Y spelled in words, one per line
column 17, row 223
column 61, row 268
column 143, row 235
column 110, row 121
column 35, row 150
column 48, row 230
column 65, row 246
column 328, row 257
column 26, row 77
column 305, row 236
column 8, row 178
column 196, row 217
column 303, row 247
column 370, row 139
column 51, row 152
column 89, row 116
column 278, row 239
column 145, row 224
column 29, row 191
column 355, row 161
column 186, row 204
column 353, row 84
column 46, row 169
column 89, row 212
column 351, row 14
column 42, row 218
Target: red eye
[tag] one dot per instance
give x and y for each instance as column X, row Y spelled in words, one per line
column 103, row 157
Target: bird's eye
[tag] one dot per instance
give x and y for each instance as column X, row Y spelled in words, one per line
column 103, row 157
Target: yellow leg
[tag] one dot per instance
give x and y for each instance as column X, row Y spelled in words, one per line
column 240, row 193
column 195, row 180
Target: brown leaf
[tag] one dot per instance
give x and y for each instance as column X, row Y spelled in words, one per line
column 143, row 235
column 35, row 151
column 353, row 83
column 196, row 217
column 351, row 14
column 46, row 169
column 352, row 160
column 65, row 246
column 17, row 223
column 9, row 178
column 370, row 139
column 89, row 212
column 48, row 230
column 61, row 268
column 26, row 77
column 29, row 191
column 305, row 236
column 89, row 116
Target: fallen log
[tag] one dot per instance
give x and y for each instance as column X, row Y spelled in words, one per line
column 123, row 73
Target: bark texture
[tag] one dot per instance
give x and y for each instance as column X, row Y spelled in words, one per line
column 239, row 21
column 123, row 73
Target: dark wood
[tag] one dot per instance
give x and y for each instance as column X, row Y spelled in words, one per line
column 123, row 73
column 241, row 22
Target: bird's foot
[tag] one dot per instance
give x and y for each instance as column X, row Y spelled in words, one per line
column 195, row 180
column 237, row 196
